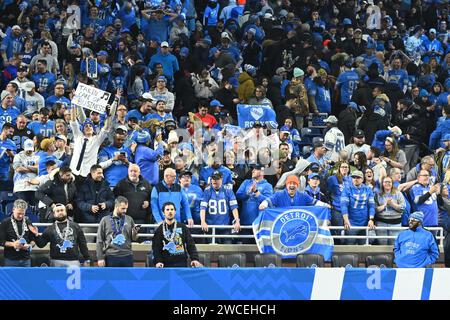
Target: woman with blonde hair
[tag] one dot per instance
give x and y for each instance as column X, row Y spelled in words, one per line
column 393, row 156
column 390, row 205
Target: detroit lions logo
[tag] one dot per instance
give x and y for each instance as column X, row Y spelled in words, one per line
column 294, row 232
column 298, row 232
column 66, row 245
column 170, row 247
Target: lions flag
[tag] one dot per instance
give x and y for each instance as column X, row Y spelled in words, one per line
column 294, row 230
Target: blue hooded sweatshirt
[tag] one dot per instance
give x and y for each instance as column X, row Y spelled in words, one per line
column 250, row 203
column 415, row 249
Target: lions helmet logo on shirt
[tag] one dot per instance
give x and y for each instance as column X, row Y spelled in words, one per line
column 294, row 232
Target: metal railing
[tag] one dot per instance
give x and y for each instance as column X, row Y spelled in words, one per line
column 213, row 235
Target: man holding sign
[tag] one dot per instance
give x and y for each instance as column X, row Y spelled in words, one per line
column 86, row 143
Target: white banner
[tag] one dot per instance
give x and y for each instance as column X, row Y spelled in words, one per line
column 91, row 98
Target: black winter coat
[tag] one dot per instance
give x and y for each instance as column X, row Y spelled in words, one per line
column 136, row 197
column 93, row 193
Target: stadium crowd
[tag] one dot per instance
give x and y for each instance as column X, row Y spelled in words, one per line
column 359, row 89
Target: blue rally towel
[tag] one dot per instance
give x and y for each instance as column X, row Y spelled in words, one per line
column 248, row 114
column 292, row 231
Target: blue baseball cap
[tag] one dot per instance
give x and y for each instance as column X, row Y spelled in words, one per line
column 102, row 53
column 215, row 103
column 313, row 175
column 347, row 21
column 418, row 215
column 446, row 137
column 353, row 105
column 162, row 78
column 141, row 136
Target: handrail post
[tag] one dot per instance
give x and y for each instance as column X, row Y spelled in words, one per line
column 213, row 234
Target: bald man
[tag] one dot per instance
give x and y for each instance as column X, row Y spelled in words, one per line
column 137, row 190
column 169, row 191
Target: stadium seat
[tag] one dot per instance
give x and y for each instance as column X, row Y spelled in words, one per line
column 8, row 208
column 316, row 132
column 205, row 259
column 234, row 260
column 6, row 197
column 40, row 259
column 33, row 216
column 380, row 260
column 306, row 132
column 269, row 260
column 317, row 139
column 310, row 261
column 346, row 260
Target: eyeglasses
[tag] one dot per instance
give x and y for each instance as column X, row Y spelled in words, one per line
column 424, row 175
column 121, row 109
column 344, row 167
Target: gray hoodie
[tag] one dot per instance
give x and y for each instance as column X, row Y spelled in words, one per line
column 105, row 236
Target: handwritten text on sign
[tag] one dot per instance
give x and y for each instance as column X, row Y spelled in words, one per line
column 91, row 98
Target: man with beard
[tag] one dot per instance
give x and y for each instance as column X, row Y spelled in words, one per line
column 17, row 236
column 67, row 240
column 291, row 197
column 172, row 242
column 7, row 151
column 114, row 236
column 94, row 197
column 359, row 144
column 415, row 247
column 115, row 158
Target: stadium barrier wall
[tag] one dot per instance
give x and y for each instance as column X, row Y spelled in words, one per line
column 223, row 284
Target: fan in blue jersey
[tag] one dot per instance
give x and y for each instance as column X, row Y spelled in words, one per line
column 147, row 158
column 103, row 69
column 319, row 93
column 398, row 75
column 335, row 185
column 415, row 247
column 357, row 207
column 43, row 79
column 194, row 194
column 12, row 43
column 44, row 127
column 291, row 197
column 252, row 192
column 115, row 158
column 58, row 96
column 424, row 198
column 218, row 206
column 8, row 113
column 144, row 109
column 161, row 115
column 46, row 154
column 432, row 47
column 206, row 173
column 346, row 83
column 117, row 80
column 7, row 151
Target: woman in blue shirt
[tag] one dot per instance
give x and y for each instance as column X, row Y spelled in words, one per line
column 336, row 184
